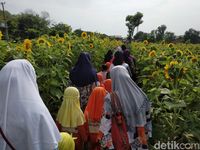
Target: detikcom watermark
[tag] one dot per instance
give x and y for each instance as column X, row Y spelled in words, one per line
column 173, row 145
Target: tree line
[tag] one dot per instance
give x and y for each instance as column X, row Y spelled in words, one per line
column 159, row 34
column 32, row 25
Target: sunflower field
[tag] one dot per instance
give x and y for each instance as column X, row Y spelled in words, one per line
column 168, row 73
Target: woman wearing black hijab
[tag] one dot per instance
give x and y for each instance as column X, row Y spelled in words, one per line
column 84, row 77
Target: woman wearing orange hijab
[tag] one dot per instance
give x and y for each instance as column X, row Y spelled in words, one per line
column 93, row 114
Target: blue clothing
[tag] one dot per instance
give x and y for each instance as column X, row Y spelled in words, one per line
column 83, row 73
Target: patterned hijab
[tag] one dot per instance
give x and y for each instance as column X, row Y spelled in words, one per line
column 24, row 118
column 83, row 73
column 94, row 108
column 70, row 113
column 133, row 100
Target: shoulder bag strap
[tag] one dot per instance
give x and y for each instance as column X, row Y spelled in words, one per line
column 4, row 137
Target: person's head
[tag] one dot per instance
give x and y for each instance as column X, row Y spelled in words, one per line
column 118, row 58
column 70, row 109
column 104, row 67
column 66, row 142
column 84, row 58
column 110, row 52
column 118, row 75
column 72, row 94
column 123, row 47
column 108, row 56
column 108, row 64
column 83, row 73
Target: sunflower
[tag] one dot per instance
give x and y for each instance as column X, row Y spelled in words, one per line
column 92, row 34
column 41, row 40
column 171, row 70
column 1, row 35
column 146, row 42
column 152, row 53
column 27, row 45
column 84, row 35
column 61, row 40
column 143, row 49
column 91, row 45
column 170, row 45
column 194, row 59
column 179, row 53
column 188, row 52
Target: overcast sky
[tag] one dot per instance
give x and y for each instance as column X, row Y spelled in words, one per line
column 108, row 16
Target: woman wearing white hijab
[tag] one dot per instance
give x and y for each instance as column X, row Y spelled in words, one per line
column 135, row 107
column 24, row 118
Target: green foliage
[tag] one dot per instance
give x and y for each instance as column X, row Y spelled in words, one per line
column 175, row 98
column 60, row 29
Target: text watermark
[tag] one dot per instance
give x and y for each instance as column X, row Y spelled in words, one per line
column 173, row 145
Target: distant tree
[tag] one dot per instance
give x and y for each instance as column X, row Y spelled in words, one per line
column 60, row 29
column 78, row 32
column 179, row 39
column 151, row 37
column 140, row 36
column 192, row 36
column 160, row 32
column 27, row 25
column 169, row 37
column 133, row 22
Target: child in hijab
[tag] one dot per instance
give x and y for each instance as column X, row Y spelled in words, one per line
column 93, row 114
column 70, row 117
column 83, row 76
column 24, row 118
